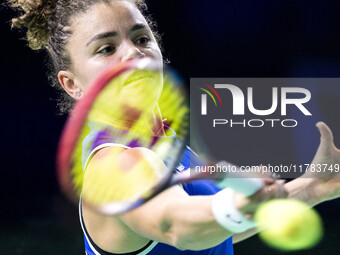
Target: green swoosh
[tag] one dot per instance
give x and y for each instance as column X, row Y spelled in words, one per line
column 206, row 91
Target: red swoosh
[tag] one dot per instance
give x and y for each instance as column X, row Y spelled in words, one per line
column 215, row 92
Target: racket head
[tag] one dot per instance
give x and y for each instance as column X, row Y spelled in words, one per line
column 107, row 100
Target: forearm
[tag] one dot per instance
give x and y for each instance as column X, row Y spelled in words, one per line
column 188, row 222
column 302, row 189
column 174, row 218
column 207, row 229
column 192, row 225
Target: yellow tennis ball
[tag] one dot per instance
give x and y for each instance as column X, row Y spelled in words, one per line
column 289, row 224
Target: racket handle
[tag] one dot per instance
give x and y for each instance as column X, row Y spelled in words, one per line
column 239, row 182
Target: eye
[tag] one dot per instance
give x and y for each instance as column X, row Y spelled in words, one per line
column 142, row 40
column 105, row 50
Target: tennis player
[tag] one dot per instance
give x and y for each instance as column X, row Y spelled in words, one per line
column 82, row 37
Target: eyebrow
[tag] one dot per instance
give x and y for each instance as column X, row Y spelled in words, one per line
column 113, row 33
column 137, row 27
column 101, row 36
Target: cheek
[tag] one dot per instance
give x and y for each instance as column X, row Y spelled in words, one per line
column 159, row 55
column 154, row 52
column 88, row 71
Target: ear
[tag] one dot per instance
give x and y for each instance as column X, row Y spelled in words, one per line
column 67, row 81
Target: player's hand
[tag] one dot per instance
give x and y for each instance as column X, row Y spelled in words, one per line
column 273, row 189
column 324, row 185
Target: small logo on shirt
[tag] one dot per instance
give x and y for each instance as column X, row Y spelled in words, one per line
column 180, row 167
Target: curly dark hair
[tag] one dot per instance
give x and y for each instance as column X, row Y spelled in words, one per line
column 48, row 27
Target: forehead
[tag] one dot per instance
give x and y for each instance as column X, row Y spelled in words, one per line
column 118, row 16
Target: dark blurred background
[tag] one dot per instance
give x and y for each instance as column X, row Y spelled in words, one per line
column 229, row 38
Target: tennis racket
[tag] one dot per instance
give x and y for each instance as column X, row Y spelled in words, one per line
column 118, row 110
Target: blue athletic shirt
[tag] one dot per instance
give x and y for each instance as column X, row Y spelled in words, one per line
column 101, row 136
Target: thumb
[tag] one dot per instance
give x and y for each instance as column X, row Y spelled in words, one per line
column 326, row 138
column 325, row 131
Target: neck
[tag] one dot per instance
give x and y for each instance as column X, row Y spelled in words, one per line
column 158, row 126
column 157, row 123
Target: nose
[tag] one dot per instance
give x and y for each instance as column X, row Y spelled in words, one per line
column 131, row 51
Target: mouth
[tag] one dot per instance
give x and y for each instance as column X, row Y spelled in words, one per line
column 137, row 76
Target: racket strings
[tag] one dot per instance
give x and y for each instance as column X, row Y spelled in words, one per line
column 123, row 179
column 127, row 103
column 174, row 105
